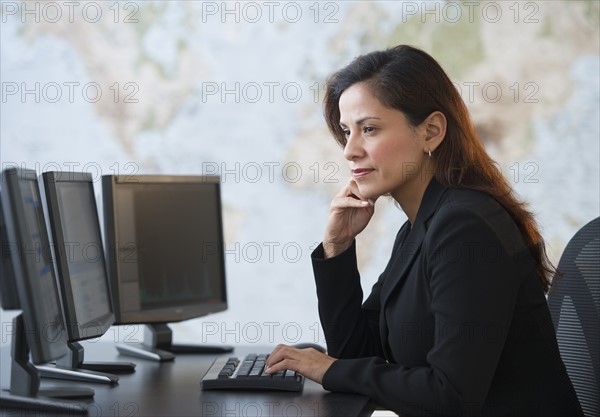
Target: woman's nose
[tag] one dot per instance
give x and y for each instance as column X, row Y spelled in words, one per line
column 353, row 148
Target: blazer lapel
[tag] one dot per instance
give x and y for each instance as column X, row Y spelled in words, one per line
column 407, row 253
column 404, row 258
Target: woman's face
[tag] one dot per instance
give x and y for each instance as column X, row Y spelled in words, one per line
column 385, row 153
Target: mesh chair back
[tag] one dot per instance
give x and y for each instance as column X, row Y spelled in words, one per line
column 574, row 303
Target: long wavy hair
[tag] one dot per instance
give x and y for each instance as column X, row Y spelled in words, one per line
column 410, row 80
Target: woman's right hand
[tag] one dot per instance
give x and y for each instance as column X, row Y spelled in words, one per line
column 349, row 214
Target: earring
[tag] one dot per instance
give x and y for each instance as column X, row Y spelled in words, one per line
column 429, row 152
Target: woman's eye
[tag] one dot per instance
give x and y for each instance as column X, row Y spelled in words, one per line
column 346, row 132
column 368, row 129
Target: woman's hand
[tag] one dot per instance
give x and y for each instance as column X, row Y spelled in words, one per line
column 349, row 214
column 309, row 362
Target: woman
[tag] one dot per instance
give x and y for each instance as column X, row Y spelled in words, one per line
column 457, row 323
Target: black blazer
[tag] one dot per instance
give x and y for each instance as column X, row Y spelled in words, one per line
column 457, row 323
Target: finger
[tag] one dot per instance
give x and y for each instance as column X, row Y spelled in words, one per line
column 353, row 189
column 291, row 354
column 309, row 362
column 283, row 357
column 350, row 189
column 284, row 354
column 277, row 355
column 350, row 202
column 345, row 190
column 283, row 365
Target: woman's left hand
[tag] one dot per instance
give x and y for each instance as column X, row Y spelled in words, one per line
column 309, row 362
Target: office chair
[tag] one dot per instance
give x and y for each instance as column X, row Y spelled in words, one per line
column 574, row 302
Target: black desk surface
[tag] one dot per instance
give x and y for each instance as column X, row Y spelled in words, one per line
column 173, row 389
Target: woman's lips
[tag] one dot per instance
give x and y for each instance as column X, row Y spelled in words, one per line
column 361, row 172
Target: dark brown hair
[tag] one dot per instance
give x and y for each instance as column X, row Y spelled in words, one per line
column 407, row 79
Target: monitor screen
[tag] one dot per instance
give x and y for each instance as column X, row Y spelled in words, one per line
column 164, row 247
column 32, row 265
column 79, row 252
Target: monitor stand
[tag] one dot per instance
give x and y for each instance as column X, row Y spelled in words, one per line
column 74, row 359
column 25, row 392
column 69, row 367
column 158, row 345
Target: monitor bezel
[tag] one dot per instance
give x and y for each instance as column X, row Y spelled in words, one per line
column 110, row 184
column 9, row 297
column 76, row 331
column 25, row 269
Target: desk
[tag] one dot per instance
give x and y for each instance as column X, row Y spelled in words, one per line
column 173, row 389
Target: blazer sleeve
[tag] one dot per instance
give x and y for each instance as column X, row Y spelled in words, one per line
column 350, row 330
column 473, row 295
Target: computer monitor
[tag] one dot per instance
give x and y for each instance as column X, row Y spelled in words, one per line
column 32, row 264
column 165, row 255
column 38, row 331
column 79, row 254
column 83, row 282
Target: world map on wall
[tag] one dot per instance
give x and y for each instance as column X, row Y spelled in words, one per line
column 235, row 89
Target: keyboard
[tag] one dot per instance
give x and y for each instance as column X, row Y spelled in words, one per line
column 248, row 374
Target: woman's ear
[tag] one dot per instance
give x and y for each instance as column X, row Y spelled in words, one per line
column 435, row 130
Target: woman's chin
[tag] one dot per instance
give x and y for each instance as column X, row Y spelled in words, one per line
column 369, row 193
